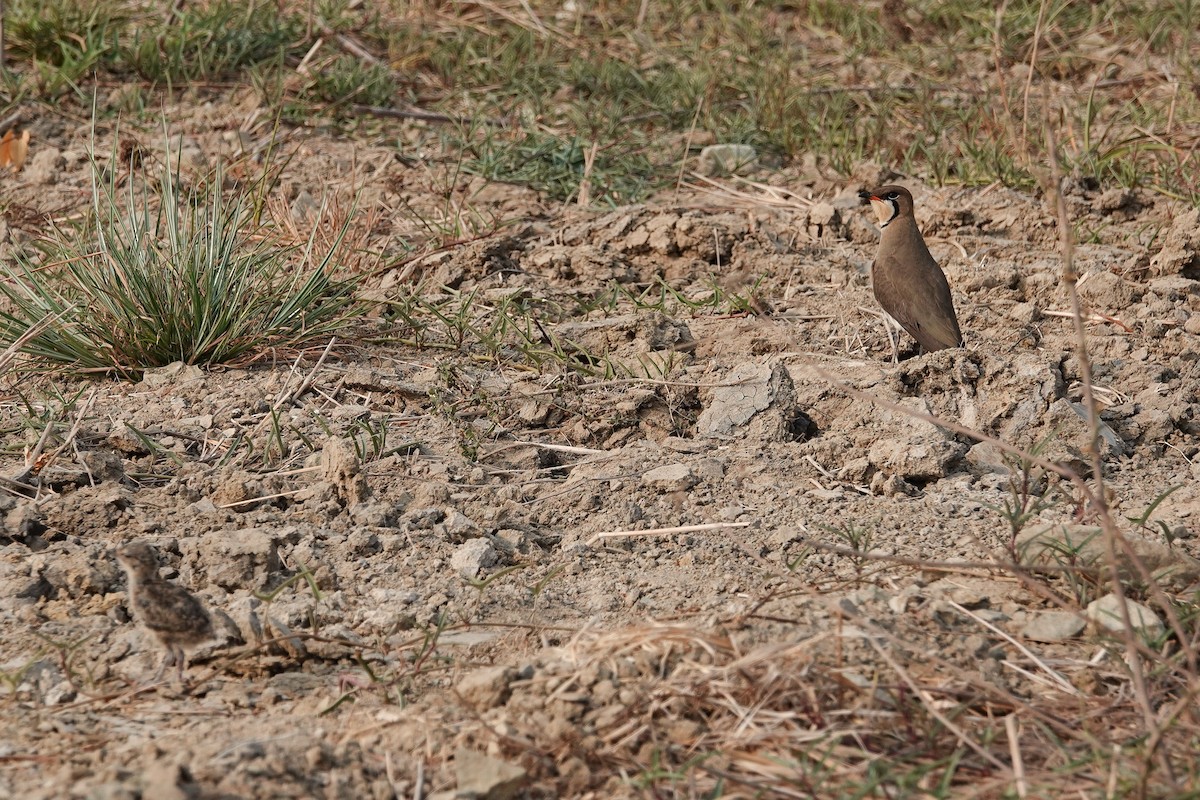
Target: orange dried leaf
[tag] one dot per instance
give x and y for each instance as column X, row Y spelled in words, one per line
column 13, row 150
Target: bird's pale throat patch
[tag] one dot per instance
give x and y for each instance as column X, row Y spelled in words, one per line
column 886, row 210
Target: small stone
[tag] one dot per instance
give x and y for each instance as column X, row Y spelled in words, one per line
column 1192, row 325
column 344, row 472
column 1053, row 626
column 726, row 159
column 44, row 167
column 472, row 556
column 103, row 465
column 1024, row 313
column 459, row 525
column 176, row 373
column 488, row 687
column 1105, row 613
column 671, row 478
column 486, row 777
column 239, row 559
column 756, row 395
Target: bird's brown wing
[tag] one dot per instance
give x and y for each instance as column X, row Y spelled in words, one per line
column 173, row 613
column 919, row 299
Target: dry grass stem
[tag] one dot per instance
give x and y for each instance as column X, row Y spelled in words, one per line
column 708, row 526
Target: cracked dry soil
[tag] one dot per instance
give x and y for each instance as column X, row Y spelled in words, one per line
column 453, row 609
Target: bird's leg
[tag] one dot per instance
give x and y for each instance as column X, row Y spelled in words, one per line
column 181, row 662
column 167, row 660
column 891, row 327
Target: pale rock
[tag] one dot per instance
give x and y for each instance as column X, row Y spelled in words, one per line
column 234, row 560
column 1105, row 613
column 726, row 159
column 671, row 478
column 753, row 395
column 176, row 373
column 486, row 777
column 472, row 556
column 488, row 687
column 1053, row 626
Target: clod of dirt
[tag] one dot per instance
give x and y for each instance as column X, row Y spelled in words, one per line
column 488, row 687
column 342, row 471
column 671, row 478
column 485, row 777
column 757, row 395
column 233, row 560
column 1180, row 253
column 472, row 556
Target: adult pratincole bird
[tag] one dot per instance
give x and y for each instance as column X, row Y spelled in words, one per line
column 170, row 612
column 907, row 281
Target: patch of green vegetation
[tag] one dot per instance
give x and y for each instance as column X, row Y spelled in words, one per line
column 62, row 42
column 63, row 32
column 818, row 78
column 556, row 165
column 212, row 41
column 348, row 79
column 177, row 274
column 631, row 80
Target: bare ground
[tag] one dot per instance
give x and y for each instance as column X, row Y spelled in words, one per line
column 459, row 597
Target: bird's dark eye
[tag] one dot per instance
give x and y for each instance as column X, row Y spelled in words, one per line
column 893, row 195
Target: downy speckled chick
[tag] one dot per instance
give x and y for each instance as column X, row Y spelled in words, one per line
column 171, row 613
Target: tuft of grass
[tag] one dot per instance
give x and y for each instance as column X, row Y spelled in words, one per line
column 62, row 32
column 207, row 42
column 557, row 165
column 62, row 42
column 183, row 274
column 348, row 79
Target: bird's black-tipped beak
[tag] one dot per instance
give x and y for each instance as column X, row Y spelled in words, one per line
column 865, row 196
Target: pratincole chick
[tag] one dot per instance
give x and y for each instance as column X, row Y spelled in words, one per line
column 170, row 612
